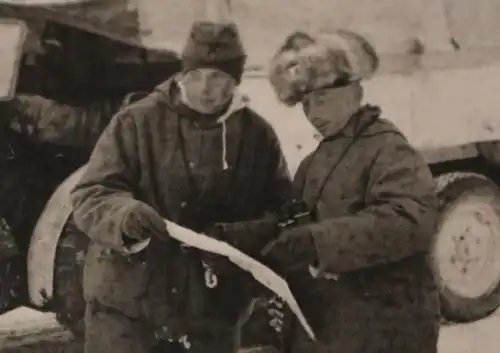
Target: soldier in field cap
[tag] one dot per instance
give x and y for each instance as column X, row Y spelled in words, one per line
column 192, row 152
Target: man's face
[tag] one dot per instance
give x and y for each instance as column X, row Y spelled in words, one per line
column 329, row 109
column 207, row 89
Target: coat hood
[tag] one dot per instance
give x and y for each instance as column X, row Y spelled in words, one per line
column 169, row 92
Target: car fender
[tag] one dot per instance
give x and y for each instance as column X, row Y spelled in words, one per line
column 44, row 240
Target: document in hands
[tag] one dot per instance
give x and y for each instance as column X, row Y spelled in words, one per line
column 260, row 272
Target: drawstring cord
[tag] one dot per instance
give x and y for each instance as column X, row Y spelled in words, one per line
column 225, row 165
column 222, row 120
column 237, row 100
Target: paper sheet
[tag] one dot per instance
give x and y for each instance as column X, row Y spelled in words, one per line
column 261, row 273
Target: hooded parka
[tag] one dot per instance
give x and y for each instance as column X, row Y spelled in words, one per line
column 375, row 211
column 193, row 170
column 374, row 208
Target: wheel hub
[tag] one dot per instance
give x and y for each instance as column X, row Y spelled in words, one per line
column 468, row 249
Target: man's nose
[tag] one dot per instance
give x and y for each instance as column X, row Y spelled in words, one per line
column 205, row 85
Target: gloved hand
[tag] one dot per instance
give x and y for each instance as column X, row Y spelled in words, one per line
column 143, row 222
column 247, row 236
column 293, row 249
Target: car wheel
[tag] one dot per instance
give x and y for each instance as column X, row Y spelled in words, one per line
column 466, row 253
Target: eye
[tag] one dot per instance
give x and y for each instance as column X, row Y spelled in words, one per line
column 321, row 94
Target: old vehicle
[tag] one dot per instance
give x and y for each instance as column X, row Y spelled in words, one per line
column 84, row 64
column 437, row 82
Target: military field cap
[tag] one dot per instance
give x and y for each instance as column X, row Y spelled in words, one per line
column 214, row 41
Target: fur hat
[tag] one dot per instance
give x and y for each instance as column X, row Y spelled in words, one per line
column 305, row 63
column 215, row 45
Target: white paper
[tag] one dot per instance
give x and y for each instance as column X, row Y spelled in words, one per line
column 261, row 273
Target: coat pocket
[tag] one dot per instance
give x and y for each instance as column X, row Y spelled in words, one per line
column 115, row 280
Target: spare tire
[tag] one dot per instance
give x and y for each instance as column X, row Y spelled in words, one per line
column 466, row 253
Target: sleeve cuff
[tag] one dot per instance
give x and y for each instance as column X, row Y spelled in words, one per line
column 323, row 249
column 136, row 247
column 128, row 245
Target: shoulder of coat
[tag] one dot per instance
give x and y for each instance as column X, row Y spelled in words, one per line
column 259, row 122
column 387, row 139
column 385, row 127
column 148, row 108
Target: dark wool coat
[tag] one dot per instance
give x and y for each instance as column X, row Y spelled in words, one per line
column 139, row 158
column 376, row 215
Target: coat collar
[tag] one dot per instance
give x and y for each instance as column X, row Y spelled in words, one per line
column 359, row 119
column 359, row 125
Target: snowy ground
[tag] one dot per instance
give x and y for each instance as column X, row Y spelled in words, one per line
column 25, row 326
column 478, row 337
column 28, row 327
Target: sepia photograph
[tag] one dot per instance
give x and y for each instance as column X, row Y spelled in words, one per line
column 349, row 203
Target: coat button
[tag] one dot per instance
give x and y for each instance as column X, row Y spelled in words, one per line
column 174, row 290
column 183, row 204
column 192, row 165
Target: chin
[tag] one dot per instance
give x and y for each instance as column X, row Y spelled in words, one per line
column 207, row 110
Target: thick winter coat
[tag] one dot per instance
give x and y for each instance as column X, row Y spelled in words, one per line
column 160, row 152
column 376, row 214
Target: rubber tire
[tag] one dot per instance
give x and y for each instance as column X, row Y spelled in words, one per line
column 454, row 188
column 69, row 304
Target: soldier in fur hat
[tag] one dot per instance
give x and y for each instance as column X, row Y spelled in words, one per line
column 192, row 152
column 359, row 268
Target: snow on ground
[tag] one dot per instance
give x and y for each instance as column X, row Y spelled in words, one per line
column 26, row 326
column 478, row 337
column 23, row 317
